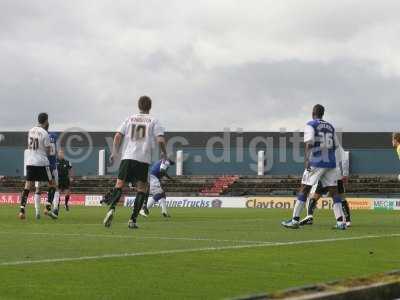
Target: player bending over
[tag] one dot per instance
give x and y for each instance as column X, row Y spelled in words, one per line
column 320, row 165
column 38, row 167
column 158, row 171
column 137, row 135
column 64, row 170
column 342, row 169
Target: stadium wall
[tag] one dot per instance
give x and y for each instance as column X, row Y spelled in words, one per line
column 214, row 153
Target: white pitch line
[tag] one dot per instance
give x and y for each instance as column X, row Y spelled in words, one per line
column 205, row 249
column 89, row 235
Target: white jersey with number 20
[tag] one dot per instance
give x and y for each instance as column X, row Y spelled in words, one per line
column 38, row 142
column 140, row 132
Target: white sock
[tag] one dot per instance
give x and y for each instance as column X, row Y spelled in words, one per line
column 298, row 207
column 36, row 199
column 338, row 211
column 56, row 200
column 163, row 204
column 150, row 203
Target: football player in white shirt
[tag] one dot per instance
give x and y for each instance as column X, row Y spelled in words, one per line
column 137, row 135
column 37, row 166
column 342, row 169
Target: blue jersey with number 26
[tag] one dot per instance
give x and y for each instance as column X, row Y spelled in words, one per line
column 324, row 145
column 53, row 151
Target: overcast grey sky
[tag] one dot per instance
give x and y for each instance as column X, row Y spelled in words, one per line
column 209, row 64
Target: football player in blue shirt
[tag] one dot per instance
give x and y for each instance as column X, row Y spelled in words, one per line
column 53, row 160
column 320, row 165
column 157, row 172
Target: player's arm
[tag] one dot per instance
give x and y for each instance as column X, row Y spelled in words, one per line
column 307, row 155
column 163, row 146
column 70, row 172
column 116, row 145
column 342, row 159
column 309, row 136
column 47, row 144
column 120, row 133
column 165, row 174
column 344, row 162
column 160, row 138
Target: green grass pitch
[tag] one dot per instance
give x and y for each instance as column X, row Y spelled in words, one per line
column 197, row 254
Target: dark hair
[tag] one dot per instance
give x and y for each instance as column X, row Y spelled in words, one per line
column 42, row 118
column 318, row 111
column 144, row 103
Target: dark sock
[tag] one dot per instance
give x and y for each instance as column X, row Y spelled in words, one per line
column 312, row 204
column 139, row 200
column 66, row 200
column 115, row 196
column 107, row 197
column 24, row 199
column 340, row 219
column 346, row 209
column 50, row 195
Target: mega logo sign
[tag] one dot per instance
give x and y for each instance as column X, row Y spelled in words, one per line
column 387, row 204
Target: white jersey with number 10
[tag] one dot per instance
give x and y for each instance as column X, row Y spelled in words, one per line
column 38, row 142
column 140, row 132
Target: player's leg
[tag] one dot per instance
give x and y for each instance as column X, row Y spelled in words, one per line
column 159, row 195
column 298, row 207
column 161, row 199
column 145, row 207
column 310, row 177
column 64, row 186
column 330, row 180
column 316, row 193
column 151, row 201
column 154, row 189
column 114, row 195
column 345, row 204
column 147, row 204
column 163, row 204
column 338, row 209
column 50, row 198
column 141, row 188
column 24, row 197
column 56, row 201
column 301, row 201
column 46, row 175
column 140, row 174
column 36, row 199
column 66, row 199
